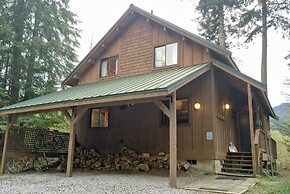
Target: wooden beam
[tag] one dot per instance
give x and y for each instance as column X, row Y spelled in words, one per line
column 80, row 112
column 71, row 145
column 76, row 115
column 66, row 114
column 162, row 107
column 173, row 142
column 220, row 66
column 213, row 107
column 10, row 121
column 251, row 123
column 107, row 100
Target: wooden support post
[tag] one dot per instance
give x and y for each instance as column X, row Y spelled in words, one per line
column 71, row 145
column 11, row 120
column 213, row 109
column 251, row 122
column 173, row 142
column 163, row 108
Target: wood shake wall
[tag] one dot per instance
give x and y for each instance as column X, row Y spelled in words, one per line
column 135, row 48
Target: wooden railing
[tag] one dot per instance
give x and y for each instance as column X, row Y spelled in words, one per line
column 262, row 148
column 274, row 148
column 260, row 140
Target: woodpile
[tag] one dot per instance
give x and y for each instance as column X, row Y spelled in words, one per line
column 126, row 160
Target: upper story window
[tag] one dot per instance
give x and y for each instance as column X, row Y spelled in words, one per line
column 109, row 67
column 166, row 55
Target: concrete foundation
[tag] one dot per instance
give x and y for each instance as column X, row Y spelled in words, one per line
column 213, row 166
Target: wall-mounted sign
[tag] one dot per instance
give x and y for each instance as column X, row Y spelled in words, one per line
column 209, row 135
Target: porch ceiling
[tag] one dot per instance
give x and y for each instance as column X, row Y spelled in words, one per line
column 156, row 84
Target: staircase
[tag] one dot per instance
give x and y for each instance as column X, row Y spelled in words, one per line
column 238, row 164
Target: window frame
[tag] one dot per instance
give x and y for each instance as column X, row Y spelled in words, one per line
column 99, row 127
column 165, row 46
column 108, row 66
column 165, row 120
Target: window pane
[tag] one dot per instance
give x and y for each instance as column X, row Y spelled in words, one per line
column 113, row 66
column 104, row 70
column 100, row 117
column 171, row 54
column 95, row 118
column 160, row 56
column 116, row 66
column 182, row 113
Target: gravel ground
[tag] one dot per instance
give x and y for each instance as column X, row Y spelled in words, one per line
column 154, row 181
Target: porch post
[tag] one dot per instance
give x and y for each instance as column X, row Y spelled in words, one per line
column 71, row 144
column 76, row 115
column 251, row 122
column 172, row 142
column 10, row 122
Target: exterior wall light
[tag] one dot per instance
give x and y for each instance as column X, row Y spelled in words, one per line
column 197, row 106
column 227, row 106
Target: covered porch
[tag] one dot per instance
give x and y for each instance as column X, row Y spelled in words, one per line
column 160, row 91
column 76, row 101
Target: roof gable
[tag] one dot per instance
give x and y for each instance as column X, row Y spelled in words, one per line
column 125, row 19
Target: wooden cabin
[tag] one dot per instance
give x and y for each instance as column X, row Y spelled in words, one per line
column 154, row 87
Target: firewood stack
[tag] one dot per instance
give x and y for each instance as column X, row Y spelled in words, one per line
column 127, row 160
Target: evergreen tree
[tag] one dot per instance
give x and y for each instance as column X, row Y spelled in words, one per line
column 260, row 15
column 217, row 19
column 37, row 50
column 37, row 46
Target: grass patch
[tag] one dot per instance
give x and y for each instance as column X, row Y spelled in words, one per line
column 271, row 185
column 283, row 161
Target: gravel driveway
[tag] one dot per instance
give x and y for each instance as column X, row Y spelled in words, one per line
column 96, row 182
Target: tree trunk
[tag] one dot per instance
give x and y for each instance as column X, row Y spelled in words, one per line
column 222, row 34
column 28, row 90
column 16, row 62
column 264, row 42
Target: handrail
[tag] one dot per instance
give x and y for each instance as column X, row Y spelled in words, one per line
column 257, row 136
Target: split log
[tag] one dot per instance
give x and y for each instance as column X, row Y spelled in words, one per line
column 128, row 159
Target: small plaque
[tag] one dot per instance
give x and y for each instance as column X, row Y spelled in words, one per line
column 209, row 135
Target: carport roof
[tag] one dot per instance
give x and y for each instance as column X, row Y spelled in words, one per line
column 156, row 84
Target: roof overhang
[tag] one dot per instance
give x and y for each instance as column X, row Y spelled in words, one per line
column 261, row 88
column 139, row 88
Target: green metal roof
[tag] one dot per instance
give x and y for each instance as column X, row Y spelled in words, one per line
column 151, row 82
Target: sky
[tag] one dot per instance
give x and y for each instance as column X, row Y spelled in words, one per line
column 98, row 16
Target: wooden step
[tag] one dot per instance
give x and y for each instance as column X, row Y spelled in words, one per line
column 240, row 153
column 234, row 164
column 235, row 174
column 237, row 169
column 238, row 156
column 237, row 160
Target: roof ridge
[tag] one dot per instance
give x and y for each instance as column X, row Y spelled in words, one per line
column 156, row 19
column 180, row 28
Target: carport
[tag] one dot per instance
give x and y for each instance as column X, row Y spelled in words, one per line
column 75, row 101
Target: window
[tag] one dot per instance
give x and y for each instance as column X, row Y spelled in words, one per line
column 100, row 117
column 166, row 55
column 109, row 67
column 182, row 112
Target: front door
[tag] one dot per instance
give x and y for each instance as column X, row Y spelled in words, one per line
column 244, row 127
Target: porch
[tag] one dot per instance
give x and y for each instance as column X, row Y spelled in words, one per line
column 150, row 92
